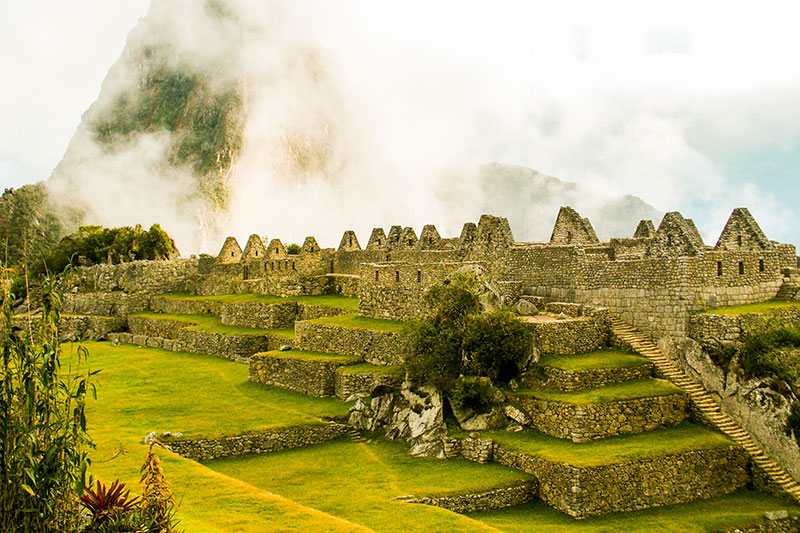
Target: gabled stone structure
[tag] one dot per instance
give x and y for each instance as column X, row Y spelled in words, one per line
column 408, row 238
column 468, row 233
column 571, row 228
column 349, row 242
column 254, row 249
column 429, row 238
column 377, row 240
column 742, row 232
column 393, row 239
column 276, row 250
column 494, row 232
column 675, row 237
column 231, row 252
column 310, row 246
column 645, row 230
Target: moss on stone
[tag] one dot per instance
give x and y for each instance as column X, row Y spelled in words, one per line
column 596, row 359
column 309, row 356
column 627, row 390
column 355, row 321
column 749, row 309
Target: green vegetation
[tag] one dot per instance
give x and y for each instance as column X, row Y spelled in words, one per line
column 29, row 227
column 326, row 300
column 147, row 389
column 599, row 359
column 213, row 324
column 309, row 356
column 459, row 340
column 626, row 390
column 738, row 510
column 355, row 321
column 748, row 309
column 293, row 249
column 43, row 430
column 360, row 482
column 675, row 439
column 372, row 369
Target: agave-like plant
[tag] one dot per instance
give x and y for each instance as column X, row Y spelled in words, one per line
column 106, row 502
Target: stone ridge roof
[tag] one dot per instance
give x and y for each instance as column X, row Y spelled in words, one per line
column 349, row 242
column 571, row 228
column 254, row 248
column 230, row 252
column 645, row 230
column 675, row 237
column 742, row 231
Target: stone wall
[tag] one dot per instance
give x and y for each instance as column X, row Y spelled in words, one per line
column 571, row 335
column 269, row 441
column 259, row 315
column 498, row 498
column 76, row 327
column 710, row 329
column 315, row 377
column 185, row 307
column 551, row 378
column 347, row 384
column 376, row 347
column 175, row 275
column 156, row 327
column 583, row 492
column 583, row 423
column 104, row 303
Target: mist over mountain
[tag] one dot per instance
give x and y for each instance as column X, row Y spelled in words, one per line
column 239, row 117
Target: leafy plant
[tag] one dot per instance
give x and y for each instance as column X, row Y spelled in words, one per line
column 43, row 437
column 293, row 249
column 158, row 504
column 107, row 502
column 471, row 393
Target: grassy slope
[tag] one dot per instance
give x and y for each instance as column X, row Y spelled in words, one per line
column 327, row 300
column 145, row 389
column 309, row 356
column 597, row 359
column 762, row 307
column 375, row 473
column 638, row 388
column 355, row 321
column 214, row 324
column 674, row 439
column 738, row 509
column 373, row 369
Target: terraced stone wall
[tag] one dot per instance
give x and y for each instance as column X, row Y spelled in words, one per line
column 583, row 492
column 313, row 377
column 234, row 347
column 259, row 315
column 347, row 384
column 498, row 498
column 714, row 329
column 104, row 303
column 77, row 327
column 572, row 335
column 152, row 327
column 376, row 347
column 583, row 423
column 185, row 307
column 557, row 379
column 270, row 441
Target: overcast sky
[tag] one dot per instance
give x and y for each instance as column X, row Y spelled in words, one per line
column 694, row 106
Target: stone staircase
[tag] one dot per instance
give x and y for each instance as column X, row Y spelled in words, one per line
column 707, row 406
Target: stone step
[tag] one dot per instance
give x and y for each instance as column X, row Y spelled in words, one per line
column 611, row 410
column 311, row 373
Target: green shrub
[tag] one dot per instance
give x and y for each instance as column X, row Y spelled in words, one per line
column 293, row 249
column 457, row 339
column 471, row 393
column 43, row 438
column 758, row 357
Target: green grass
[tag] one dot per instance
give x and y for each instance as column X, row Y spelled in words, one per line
column 359, row 482
column 626, row 390
column 682, row 437
column 214, row 324
column 146, row 389
column 327, row 300
column 740, row 509
column 310, row 356
column 748, row 309
column 592, row 360
column 372, row 369
column 355, row 321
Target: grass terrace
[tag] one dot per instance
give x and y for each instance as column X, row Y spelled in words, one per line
column 355, row 321
column 213, row 324
column 749, row 309
column 328, row 300
column 592, row 360
column 372, row 369
column 359, row 482
column 739, row 509
column 680, row 438
column 310, row 356
column 626, row 390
